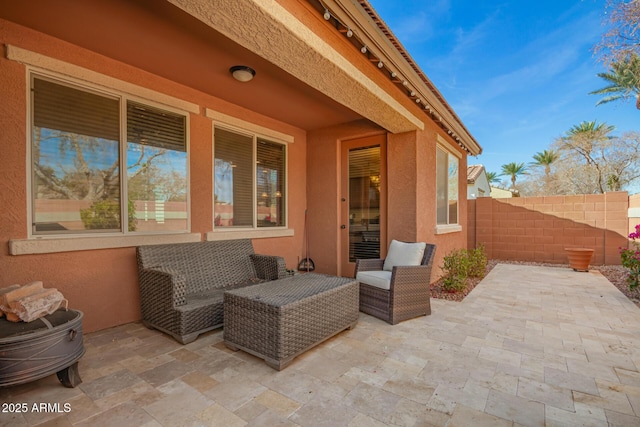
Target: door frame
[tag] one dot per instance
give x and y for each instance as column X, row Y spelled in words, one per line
column 346, row 268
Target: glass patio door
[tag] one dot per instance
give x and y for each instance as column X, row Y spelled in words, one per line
column 363, row 201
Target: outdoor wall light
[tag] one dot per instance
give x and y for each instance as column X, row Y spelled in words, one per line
column 242, row 73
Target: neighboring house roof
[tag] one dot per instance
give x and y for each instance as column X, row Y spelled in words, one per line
column 473, row 173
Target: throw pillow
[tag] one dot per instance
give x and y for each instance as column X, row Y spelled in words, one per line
column 401, row 253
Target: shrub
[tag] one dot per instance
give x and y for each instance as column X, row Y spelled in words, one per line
column 631, row 259
column 456, row 267
column 477, row 261
column 461, row 264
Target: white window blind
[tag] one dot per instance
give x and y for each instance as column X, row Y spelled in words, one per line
column 250, row 181
column 270, row 181
column 65, row 109
column 233, row 196
column 76, row 154
column 75, row 160
column 152, row 126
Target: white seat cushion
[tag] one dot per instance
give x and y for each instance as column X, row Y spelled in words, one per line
column 401, row 253
column 378, row 278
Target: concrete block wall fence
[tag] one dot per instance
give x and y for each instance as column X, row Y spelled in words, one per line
column 539, row 228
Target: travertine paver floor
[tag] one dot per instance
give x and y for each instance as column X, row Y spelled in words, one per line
column 529, row 346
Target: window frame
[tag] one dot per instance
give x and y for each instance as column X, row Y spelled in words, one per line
column 123, row 98
column 253, row 131
column 448, row 227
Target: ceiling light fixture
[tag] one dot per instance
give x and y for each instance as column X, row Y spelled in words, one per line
column 349, row 32
column 380, row 64
column 242, row 73
column 364, row 49
column 327, row 15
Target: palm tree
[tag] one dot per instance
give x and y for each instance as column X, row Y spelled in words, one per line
column 514, row 170
column 493, row 177
column 582, row 139
column 593, row 128
column 545, row 158
column 623, row 79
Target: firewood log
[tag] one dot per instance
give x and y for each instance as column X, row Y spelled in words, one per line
column 36, row 305
column 3, row 291
column 19, row 292
column 12, row 317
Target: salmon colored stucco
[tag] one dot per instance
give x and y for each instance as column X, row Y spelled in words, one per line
column 312, row 86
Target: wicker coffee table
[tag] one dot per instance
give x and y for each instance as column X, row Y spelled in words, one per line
column 281, row 319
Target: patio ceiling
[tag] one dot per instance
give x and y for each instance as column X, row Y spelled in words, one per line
column 184, row 47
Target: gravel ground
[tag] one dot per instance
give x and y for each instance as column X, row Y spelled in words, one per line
column 616, row 274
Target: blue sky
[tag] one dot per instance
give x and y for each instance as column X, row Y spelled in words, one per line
column 518, row 73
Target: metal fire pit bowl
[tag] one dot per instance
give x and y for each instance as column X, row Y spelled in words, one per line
column 34, row 350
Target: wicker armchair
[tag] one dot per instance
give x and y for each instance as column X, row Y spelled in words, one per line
column 182, row 285
column 408, row 294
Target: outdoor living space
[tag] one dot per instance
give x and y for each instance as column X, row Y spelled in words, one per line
column 305, row 133
column 529, row 346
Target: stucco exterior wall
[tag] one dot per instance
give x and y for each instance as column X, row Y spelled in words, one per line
column 446, row 242
column 411, row 192
column 103, row 283
column 403, row 151
column 323, row 190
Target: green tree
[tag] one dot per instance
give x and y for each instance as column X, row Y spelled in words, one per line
column 545, row 159
column 594, row 161
column 493, row 177
column 623, row 81
column 514, row 170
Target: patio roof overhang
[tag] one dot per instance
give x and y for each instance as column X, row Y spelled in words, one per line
column 271, row 31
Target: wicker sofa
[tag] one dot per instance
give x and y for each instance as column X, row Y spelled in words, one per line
column 182, row 285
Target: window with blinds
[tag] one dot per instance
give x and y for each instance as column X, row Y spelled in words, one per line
column 157, row 169
column 446, row 188
column 78, row 151
column 233, row 175
column 249, row 181
column 270, row 182
column 75, row 160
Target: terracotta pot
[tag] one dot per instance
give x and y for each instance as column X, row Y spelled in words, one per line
column 579, row 258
